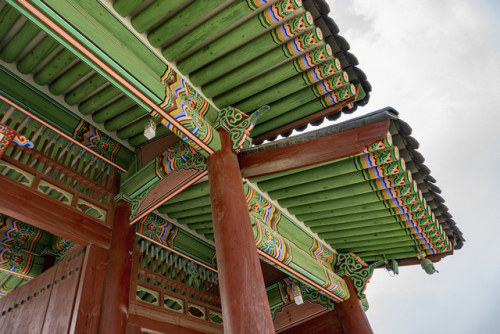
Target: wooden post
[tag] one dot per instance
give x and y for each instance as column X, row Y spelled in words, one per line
column 115, row 301
column 88, row 300
column 245, row 307
column 351, row 313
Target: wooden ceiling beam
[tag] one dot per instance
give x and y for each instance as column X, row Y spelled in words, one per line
column 34, row 208
column 85, row 28
column 312, row 152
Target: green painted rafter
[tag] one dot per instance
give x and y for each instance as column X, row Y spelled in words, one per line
column 100, row 56
column 17, row 91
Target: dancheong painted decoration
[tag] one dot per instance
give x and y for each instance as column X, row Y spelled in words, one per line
column 144, row 189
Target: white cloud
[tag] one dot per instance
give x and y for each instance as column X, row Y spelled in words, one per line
column 436, row 62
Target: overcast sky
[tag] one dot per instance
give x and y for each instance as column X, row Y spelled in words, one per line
column 437, row 63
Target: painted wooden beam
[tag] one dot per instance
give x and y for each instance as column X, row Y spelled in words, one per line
column 170, row 173
column 48, row 214
column 312, row 152
column 298, row 115
column 299, row 122
column 115, row 58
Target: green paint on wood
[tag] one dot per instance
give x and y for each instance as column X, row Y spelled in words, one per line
column 123, row 49
column 347, row 191
column 287, row 103
column 355, row 225
column 195, row 191
column 124, row 118
column 85, row 89
column 33, row 58
column 294, row 84
column 68, row 78
column 202, row 225
column 328, row 95
column 367, row 238
column 376, row 242
column 183, row 19
column 391, row 256
column 313, row 186
column 98, row 100
column 230, row 40
column 113, row 109
column 197, row 211
column 54, row 67
column 354, row 217
column 133, row 129
column 196, row 219
column 39, row 104
column 125, row 7
column 382, row 247
column 20, row 40
column 207, row 30
column 154, row 13
column 306, row 175
column 184, row 205
column 358, row 232
column 251, row 50
column 8, row 16
column 265, row 80
column 331, row 208
column 277, row 120
column 375, row 206
column 133, row 184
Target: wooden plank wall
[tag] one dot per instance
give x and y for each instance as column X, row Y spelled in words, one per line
column 47, row 303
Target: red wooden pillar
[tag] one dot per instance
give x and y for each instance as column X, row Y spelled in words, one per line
column 245, row 307
column 351, row 313
column 115, row 301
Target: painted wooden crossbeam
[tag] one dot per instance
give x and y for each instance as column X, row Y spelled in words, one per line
column 311, row 152
column 58, row 163
column 292, row 249
column 163, row 178
column 51, row 215
column 19, row 102
column 115, row 59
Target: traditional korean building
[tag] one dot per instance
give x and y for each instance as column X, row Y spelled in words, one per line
column 143, row 190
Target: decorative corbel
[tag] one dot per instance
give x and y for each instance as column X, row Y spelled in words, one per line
column 238, row 124
column 350, row 265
